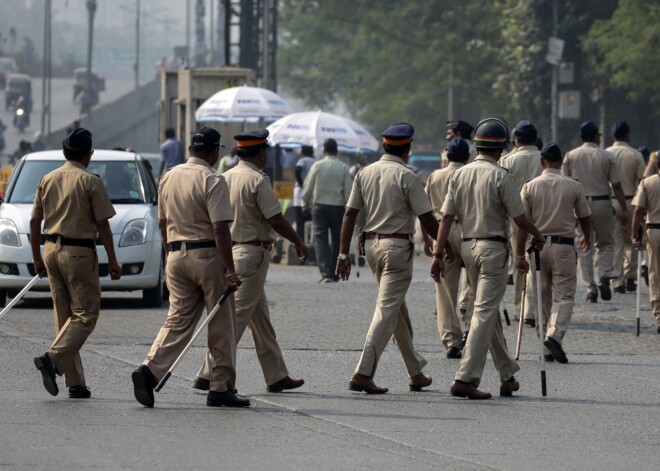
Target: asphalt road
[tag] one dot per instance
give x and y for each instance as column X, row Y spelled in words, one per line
column 601, row 411
column 64, row 111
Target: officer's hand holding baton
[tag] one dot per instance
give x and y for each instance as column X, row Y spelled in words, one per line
column 585, row 243
column 233, row 281
column 40, row 268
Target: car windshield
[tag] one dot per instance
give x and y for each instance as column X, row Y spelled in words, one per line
column 120, row 178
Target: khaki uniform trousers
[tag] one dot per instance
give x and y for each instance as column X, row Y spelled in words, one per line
column 391, row 263
column 196, row 280
column 486, row 263
column 558, row 284
column 446, row 294
column 252, row 264
column 653, row 248
column 76, row 291
column 602, row 215
column 625, row 255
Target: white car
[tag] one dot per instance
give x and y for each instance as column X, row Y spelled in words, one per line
column 135, row 232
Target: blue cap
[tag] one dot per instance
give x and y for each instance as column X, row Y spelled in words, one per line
column 459, row 148
column 551, row 152
column 463, row 127
column 398, row 134
column 525, row 128
column 588, row 130
column 620, row 129
column 205, row 138
column 79, row 139
column 646, row 153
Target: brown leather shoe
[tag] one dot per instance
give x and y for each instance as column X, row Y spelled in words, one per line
column 285, row 383
column 365, row 383
column 202, row 384
column 509, row 386
column 419, row 381
column 461, row 389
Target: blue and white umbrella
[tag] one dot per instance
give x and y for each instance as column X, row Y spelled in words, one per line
column 242, row 105
column 312, row 128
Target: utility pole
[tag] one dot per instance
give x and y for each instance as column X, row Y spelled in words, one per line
column 450, row 92
column 555, row 75
column 137, row 45
column 266, row 45
column 187, row 33
column 87, row 97
column 46, row 70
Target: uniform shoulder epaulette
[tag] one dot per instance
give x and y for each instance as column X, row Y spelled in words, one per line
column 96, row 175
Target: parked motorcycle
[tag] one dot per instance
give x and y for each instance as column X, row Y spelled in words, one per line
column 21, row 119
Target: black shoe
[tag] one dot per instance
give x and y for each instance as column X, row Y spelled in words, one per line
column 202, row 384
column 604, row 288
column 620, row 289
column 464, row 338
column 549, row 358
column 592, row 298
column 555, row 347
column 645, row 274
column 143, row 385
column 530, row 322
column 79, row 392
column 631, row 285
column 225, row 399
column 509, row 280
column 454, row 352
column 48, row 373
column 659, row 330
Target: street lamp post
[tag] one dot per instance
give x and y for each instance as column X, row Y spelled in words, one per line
column 87, row 98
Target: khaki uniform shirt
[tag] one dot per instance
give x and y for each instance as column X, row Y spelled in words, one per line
column 630, row 163
column 328, row 182
column 392, row 195
column 593, row 167
column 437, row 186
column 473, row 154
column 252, row 202
column 483, row 196
column 653, row 166
column 553, row 201
column 71, row 201
column 648, row 196
column 191, row 197
column 524, row 163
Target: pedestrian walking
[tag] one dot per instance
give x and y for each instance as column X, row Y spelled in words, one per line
column 257, row 218
column 630, row 164
column 74, row 207
column 328, row 185
column 303, row 166
column 647, row 207
column 446, row 294
column 524, row 164
column 194, row 215
column 596, row 170
column 171, row 152
column 553, row 202
column 459, row 128
column 483, row 196
column 392, row 196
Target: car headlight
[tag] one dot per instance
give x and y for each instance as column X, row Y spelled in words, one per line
column 135, row 233
column 9, row 234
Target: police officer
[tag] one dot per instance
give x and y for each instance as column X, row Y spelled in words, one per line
column 459, row 128
column 647, row 204
column 630, row 164
column 553, row 201
column 257, row 218
column 194, row 216
column 446, row 294
column 392, row 196
column 596, row 170
column 74, row 206
column 483, row 195
column 524, row 164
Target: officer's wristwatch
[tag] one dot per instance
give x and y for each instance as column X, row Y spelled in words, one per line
column 342, row 256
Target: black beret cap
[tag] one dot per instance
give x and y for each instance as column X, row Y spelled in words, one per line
column 458, row 147
column 205, row 138
column 79, row 139
column 620, row 129
column 551, row 152
column 646, row 153
column 589, row 130
column 525, row 128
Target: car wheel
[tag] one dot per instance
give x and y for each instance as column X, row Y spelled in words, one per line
column 3, row 297
column 153, row 297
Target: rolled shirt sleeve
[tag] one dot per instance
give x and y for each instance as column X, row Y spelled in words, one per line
column 582, row 209
column 217, row 199
column 356, row 201
column 38, row 207
column 266, row 201
column 449, row 205
column 510, row 197
column 417, row 198
column 101, row 203
column 641, row 198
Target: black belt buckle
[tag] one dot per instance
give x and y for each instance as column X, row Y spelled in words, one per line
column 561, row 240
column 176, row 246
column 71, row 242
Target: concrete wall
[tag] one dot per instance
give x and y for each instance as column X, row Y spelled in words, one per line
column 129, row 121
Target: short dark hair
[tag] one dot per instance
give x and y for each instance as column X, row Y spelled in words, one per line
column 396, row 150
column 526, row 139
column 539, row 143
column 330, row 146
column 169, row 133
column 252, row 151
column 452, row 157
column 75, row 154
column 201, row 151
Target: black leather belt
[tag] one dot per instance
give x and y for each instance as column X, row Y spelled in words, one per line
column 599, row 198
column 561, row 240
column 176, row 246
column 89, row 243
column 494, row 239
column 653, row 226
column 629, row 197
column 374, row 235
